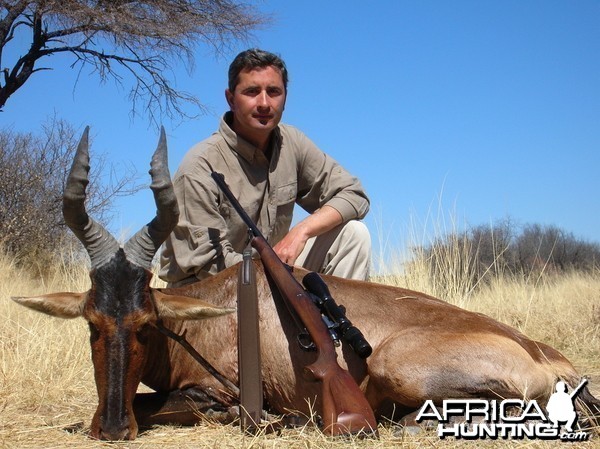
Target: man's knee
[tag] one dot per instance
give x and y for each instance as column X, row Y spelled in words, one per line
column 344, row 251
column 353, row 258
column 357, row 233
column 358, row 229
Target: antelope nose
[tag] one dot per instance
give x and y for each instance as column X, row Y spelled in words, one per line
column 117, row 433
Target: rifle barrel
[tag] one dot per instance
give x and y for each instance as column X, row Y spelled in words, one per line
column 220, row 180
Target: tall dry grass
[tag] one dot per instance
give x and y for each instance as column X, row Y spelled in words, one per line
column 47, row 391
column 45, row 372
column 560, row 309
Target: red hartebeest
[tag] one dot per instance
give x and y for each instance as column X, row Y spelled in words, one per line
column 423, row 348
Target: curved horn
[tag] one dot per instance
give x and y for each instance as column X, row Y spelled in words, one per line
column 100, row 245
column 141, row 248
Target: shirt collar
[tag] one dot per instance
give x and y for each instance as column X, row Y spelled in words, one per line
column 241, row 146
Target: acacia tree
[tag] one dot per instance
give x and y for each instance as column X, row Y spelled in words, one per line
column 122, row 40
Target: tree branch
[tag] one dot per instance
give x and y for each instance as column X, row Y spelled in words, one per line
column 143, row 38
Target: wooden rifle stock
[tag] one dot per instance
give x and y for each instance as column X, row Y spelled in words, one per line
column 345, row 408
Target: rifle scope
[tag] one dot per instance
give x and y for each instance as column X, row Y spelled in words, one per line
column 351, row 335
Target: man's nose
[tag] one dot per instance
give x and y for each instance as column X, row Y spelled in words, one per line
column 263, row 100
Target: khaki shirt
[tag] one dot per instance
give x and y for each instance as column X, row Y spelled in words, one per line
column 210, row 236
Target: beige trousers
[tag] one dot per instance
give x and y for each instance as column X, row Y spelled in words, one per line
column 345, row 251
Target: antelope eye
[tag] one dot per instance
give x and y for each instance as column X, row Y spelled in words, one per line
column 142, row 334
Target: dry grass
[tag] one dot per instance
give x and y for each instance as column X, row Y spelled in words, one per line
column 47, row 392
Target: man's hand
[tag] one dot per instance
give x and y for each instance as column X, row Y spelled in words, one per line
column 323, row 220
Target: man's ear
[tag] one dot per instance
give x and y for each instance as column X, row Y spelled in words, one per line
column 229, row 98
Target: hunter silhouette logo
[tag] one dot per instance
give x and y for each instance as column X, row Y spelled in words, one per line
column 509, row 418
column 561, row 405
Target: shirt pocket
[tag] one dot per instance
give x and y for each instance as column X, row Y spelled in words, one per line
column 236, row 231
column 281, row 208
column 285, row 194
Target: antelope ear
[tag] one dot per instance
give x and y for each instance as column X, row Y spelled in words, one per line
column 61, row 305
column 185, row 307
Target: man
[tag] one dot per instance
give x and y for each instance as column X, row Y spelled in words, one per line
column 269, row 167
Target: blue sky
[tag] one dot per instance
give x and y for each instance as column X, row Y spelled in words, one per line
column 448, row 111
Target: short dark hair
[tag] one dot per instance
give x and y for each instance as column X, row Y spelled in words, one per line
column 252, row 59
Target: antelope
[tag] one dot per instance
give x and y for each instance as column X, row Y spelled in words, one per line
column 423, row 348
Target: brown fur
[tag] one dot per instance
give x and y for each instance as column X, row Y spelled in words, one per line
column 423, row 348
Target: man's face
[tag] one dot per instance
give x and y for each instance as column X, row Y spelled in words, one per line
column 257, row 104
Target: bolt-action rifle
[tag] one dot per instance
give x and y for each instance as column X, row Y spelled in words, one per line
column 335, row 315
column 345, row 408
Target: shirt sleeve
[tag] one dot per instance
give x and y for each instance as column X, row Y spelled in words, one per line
column 198, row 245
column 323, row 181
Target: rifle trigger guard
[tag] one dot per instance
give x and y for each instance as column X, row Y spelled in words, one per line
column 306, row 344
